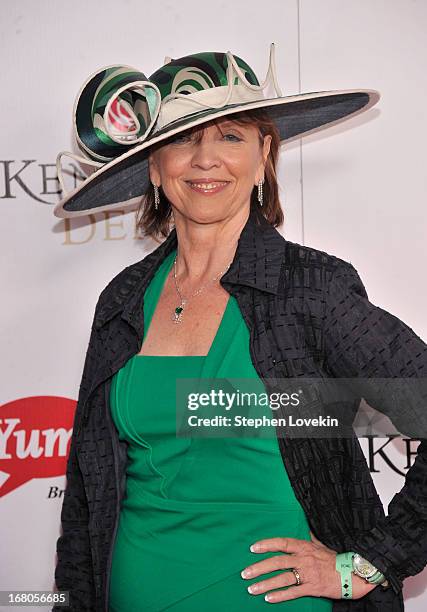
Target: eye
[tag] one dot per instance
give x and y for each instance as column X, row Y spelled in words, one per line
column 233, row 136
column 180, row 139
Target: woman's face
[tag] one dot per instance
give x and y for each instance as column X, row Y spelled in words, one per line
column 210, row 174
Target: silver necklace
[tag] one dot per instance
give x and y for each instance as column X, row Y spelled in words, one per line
column 177, row 313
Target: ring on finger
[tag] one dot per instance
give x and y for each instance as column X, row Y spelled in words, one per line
column 297, row 577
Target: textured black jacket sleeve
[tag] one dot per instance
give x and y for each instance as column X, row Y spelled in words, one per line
column 73, row 571
column 363, row 340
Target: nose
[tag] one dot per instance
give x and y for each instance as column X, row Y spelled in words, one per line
column 206, row 154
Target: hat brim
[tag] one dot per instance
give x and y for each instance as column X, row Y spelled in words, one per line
column 120, row 183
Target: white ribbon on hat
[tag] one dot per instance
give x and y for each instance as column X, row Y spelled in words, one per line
column 176, row 106
column 79, row 158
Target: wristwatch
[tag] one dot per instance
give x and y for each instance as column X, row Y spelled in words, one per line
column 363, row 568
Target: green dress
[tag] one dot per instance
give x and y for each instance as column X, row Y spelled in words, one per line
column 193, row 506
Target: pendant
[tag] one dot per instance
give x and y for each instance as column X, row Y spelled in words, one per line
column 177, row 315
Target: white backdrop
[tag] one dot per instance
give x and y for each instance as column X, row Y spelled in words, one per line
column 356, row 191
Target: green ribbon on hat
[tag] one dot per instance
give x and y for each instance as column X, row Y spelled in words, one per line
column 116, row 108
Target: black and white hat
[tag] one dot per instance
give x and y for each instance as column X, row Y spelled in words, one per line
column 119, row 113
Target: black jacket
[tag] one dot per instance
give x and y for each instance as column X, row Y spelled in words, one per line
column 308, row 315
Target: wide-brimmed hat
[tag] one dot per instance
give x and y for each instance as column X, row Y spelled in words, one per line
column 119, row 113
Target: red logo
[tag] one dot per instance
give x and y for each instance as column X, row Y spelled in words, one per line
column 35, row 433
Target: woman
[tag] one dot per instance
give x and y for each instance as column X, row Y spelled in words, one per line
column 152, row 521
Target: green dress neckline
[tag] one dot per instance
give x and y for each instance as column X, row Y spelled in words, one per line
column 157, row 285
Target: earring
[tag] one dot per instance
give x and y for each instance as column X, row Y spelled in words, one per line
column 156, row 196
column 260, row 194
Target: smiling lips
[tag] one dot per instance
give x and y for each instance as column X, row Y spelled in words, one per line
column 207, row 186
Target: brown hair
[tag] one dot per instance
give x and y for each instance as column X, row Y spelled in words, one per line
column 158, row 223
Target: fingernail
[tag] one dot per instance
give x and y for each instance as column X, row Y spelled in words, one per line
column 245, row 573
column 254, row 547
